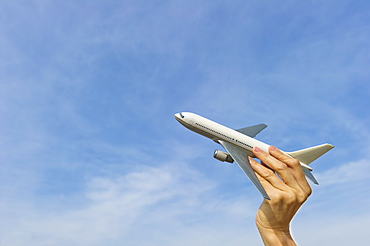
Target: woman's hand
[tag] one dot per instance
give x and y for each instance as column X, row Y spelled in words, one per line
column 287, row 191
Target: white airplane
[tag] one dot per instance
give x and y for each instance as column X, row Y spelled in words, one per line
column 239, row 144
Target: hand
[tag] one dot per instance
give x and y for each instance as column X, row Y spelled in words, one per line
column 287, row 191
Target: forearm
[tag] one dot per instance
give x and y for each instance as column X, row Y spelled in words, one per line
column 272, row 237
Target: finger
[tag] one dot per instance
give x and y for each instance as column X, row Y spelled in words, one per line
column 294, row 165
column 267, row 176
column 279, row 167
column 263, row 164
column 288, row 160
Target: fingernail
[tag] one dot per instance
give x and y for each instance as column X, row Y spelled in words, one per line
column 272, row 148
column 257, row 149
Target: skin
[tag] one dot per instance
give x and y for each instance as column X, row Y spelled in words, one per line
column 287, row 194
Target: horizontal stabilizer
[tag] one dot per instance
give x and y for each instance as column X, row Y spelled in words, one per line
column 252, row 131
column 310, row 176
column 308, row 155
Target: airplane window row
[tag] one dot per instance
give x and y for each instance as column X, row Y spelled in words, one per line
column 209, row 129
column 244, row 144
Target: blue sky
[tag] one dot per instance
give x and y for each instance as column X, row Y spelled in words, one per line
column 90, row 152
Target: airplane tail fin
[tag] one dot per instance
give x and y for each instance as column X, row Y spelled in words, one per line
column 306, row 156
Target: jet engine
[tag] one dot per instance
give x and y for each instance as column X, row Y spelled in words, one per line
column 222, row 156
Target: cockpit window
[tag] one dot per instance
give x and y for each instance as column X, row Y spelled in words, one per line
column 181, row 115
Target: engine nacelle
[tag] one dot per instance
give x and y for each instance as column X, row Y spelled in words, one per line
column 222, row 156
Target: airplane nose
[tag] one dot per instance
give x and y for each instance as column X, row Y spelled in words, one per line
column 179, row 116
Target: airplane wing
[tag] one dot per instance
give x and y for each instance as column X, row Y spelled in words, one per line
column 241, row 158
column 252, row 131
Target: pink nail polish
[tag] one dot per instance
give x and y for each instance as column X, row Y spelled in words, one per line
column 257, row 149
column 272, row 148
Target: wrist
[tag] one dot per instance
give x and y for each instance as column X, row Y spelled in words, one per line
column 276, row 237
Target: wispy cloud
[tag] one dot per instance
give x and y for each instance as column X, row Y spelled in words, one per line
column 165, row 198
column 352, row 172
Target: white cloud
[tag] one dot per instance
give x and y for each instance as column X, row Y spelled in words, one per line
column 356, row 171
column 148, row 201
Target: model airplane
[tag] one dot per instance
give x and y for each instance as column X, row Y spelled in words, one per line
column 239, row 144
